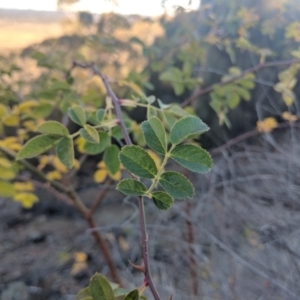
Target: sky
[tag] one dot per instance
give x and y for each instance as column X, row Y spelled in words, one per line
column 142, row 7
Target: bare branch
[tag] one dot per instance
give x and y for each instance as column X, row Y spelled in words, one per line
column 200, row 92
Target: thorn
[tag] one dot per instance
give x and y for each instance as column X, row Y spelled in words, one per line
column 140, row 268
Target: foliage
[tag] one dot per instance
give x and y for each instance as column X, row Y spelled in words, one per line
column 64, row 115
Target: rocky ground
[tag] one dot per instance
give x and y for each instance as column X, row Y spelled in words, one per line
column 244, row 244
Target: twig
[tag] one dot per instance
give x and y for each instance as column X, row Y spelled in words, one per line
column 79, row 205
column 100, row 197
column 142, row 217
column 256, row 68
column 245, row 136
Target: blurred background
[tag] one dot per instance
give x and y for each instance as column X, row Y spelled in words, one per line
column 236, row 63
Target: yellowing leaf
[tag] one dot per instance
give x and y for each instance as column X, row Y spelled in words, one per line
column 24, row 186
column 76, row 164
column 78, row 267
column 22, row 134
column 3, row 110
column 7, row 173
column 289, row 117
column 11, row 143
column 101, row 164
column 4, row 162
column 44, row 160
column 54, row 175
column 27, row 106
column 267, row 125
column 117, row 176
column 288, row 98
column 26, row 199
column 7, row 189
column 100, row 175
column 80, row 256
column 30, row 125
column 58, row 165
column 80, row 142
column 155, row 157
column 11, row 120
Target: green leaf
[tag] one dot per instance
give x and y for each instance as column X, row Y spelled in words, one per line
column 151, row 99
column 185, row 128
column 37, row 146
column 169, row 118
column 247, row 84
column 131, row 187
column 162, row 200
column 192, row 157
column 100, row 114
column 233, row 100
column 84, row 294
column 173, row 74
column 93, row 149
column 111, row 159
column 155, row 135
column 151, row 112
column 117, row 133
column 43, row 110
column 133, row 295
column 137, row 161
column 177, row 185
column 65, row 151
column 243, row 93
column 177, row 110
column 53, row 127
column 77, row 115
column 100, row 288
column 90, row 134
column 7, row 189
column 178, row 88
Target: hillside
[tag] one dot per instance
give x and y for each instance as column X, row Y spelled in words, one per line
column 21, row 28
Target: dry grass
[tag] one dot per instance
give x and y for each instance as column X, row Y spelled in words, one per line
column 18, row 35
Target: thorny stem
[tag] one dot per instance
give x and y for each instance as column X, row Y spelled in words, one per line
column 79, row 205
column 142, row 217
column 256, row 68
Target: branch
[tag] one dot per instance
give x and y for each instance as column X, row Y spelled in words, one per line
column 79, row 205
column 245, row 136
column 117, row 107
column 100, row 197
column 209, row 89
